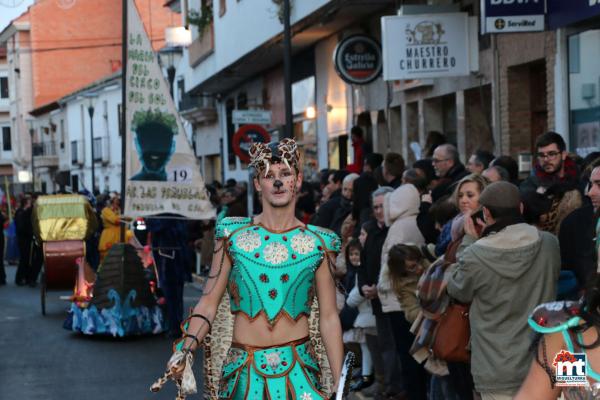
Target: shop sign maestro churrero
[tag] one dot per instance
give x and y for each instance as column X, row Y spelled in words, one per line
column 429, row 46
column 357, row 59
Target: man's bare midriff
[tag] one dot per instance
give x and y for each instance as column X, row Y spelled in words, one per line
column 259, row 332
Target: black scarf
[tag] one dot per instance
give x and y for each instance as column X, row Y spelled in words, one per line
column 502, row 223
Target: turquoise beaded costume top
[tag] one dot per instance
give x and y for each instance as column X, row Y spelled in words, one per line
column 273, row 273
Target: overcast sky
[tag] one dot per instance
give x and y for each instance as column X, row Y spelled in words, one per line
column 8, row 13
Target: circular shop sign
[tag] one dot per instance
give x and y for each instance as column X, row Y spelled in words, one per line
column 358, row 59
column 245, row 136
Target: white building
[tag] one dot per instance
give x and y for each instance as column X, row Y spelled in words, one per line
column 5, row 123
column 18, row 72
column 64, row 130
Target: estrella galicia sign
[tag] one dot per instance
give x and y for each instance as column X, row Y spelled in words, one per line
column 358, row 59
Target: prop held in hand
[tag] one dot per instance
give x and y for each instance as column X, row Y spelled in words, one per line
column 179, row 367
column 345, row 377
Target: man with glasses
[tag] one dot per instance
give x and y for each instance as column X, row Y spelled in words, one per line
column 552, row 164
column 448, row 168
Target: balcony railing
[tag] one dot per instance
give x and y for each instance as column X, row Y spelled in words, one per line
column 188, row 102
column 45, row 154
column 198, row 109
column 44, row 149
column 202, row 46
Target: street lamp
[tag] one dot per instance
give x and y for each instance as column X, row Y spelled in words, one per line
column 31, row 131
column 92, row 97
column 170, row 57
column 176, row 38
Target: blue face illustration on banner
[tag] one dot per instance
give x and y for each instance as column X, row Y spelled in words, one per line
column 155, row 144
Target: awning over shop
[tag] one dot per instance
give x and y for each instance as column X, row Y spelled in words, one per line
column 562, row 13
column 6, row 170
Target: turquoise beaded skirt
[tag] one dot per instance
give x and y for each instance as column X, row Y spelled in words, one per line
column 287, row 371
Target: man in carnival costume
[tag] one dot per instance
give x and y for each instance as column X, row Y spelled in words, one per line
column 273, row 266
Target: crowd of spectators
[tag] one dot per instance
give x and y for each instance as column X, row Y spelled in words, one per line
column 424, row 237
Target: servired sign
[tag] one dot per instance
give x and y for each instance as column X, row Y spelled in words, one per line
column 503, row 16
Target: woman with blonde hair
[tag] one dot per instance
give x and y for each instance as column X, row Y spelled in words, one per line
column 466, row 198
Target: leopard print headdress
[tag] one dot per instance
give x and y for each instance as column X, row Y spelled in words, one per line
column 262, row 155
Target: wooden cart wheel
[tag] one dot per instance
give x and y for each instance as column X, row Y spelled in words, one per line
column 43, row 292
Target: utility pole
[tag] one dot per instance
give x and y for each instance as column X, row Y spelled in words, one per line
column 287, row 70
column 31, row 131
column 91, row 113
column 123, row 110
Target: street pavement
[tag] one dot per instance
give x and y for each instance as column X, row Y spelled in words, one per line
column 41, row 360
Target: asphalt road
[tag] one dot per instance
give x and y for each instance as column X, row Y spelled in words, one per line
column 41, row 360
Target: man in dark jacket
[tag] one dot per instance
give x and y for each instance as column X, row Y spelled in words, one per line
column 24, row 229
column 169, row 241
column 393, row 168
column 552, row 166
column 577, row 234
column 362, row 188
column 448, row 168
column 324, row 217
column 345, row 204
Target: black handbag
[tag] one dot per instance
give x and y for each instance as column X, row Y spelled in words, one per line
column 348, row 316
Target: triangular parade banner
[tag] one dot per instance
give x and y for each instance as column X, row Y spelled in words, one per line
column 163, row 174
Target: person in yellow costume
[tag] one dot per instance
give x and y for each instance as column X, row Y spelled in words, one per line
column 111, row 221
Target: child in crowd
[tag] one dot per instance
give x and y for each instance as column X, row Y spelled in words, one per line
column 364, row 324
column 406, row 264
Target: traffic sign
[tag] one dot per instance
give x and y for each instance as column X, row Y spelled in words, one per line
column 260, row 117
column 245, row 136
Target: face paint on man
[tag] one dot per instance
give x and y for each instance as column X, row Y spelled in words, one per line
column 278, row 177
column 278, row 186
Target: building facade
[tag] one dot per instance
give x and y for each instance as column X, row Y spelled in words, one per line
column 5, row 125
column 66, row 130
column 577, row 76
column 57, row 48
column 524, row 83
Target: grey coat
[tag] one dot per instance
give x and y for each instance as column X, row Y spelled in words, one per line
column 504, row 276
